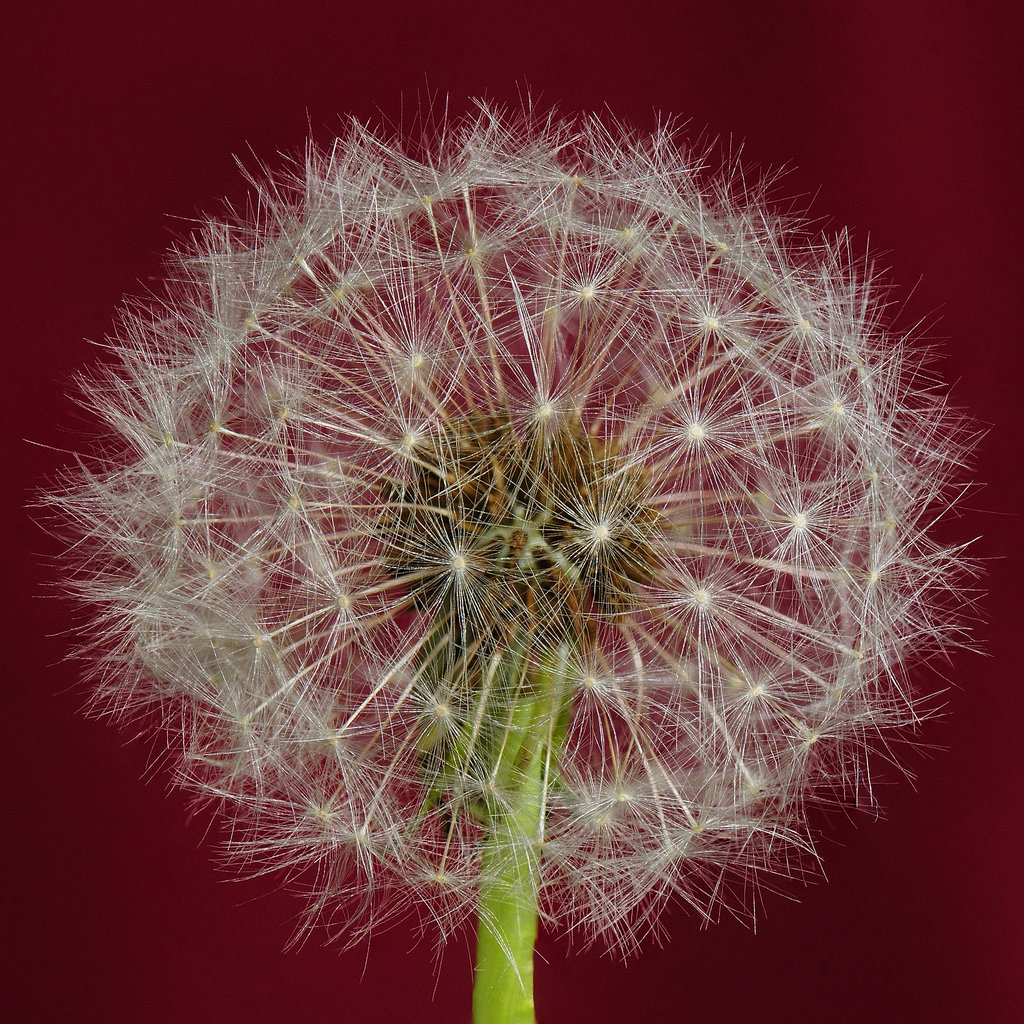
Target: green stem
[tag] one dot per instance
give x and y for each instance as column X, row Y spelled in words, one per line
column 507, row 923
column 507, row 928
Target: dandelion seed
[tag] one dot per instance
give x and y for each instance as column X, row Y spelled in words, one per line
column 490, row 558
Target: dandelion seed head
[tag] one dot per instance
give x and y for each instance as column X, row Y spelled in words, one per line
column 549, row 448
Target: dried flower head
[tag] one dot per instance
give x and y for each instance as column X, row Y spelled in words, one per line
column 541, row 516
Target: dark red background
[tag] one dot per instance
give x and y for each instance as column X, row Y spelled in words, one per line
column 903, row 118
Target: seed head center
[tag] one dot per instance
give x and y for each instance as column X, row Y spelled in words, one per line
column 554, row 522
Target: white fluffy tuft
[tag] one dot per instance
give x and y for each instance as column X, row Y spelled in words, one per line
column 256, row 590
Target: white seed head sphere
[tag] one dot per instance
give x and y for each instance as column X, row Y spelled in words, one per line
column 547, row 452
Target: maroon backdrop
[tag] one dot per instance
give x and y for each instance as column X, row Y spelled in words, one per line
column 903, row 120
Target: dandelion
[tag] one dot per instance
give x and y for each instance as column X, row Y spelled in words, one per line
column 536, row 528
